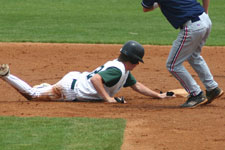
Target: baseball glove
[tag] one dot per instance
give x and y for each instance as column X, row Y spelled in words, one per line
column 119, row 99
column 169, row 93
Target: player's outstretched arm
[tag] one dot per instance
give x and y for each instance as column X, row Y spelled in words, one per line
column 140, row 88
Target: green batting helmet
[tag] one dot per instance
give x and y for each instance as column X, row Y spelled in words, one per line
column 134, row 51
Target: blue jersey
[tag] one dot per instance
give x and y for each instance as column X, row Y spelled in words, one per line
column 177, row 12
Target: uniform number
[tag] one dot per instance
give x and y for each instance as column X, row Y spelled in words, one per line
column 95, row 72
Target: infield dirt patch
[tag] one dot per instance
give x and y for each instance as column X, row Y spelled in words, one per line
column 151, row 124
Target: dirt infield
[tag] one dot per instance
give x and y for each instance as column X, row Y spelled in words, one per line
column 151, row 124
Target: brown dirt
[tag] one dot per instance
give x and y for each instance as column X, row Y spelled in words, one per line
column 151, row 124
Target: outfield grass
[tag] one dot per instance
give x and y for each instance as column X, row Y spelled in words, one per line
column 89, row 21
column 40, row 133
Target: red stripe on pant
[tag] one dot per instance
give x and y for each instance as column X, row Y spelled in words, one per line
column 174, row 60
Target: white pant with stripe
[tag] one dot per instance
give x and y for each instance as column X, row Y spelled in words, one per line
column 188, row 47
column 60, row 91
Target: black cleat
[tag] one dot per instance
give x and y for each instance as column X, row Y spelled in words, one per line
column 213, row 94
column 194, row 101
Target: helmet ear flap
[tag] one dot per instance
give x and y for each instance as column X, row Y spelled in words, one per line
column 134, row 51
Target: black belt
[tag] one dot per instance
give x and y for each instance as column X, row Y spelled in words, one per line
column 73, row 84
column 194, row 19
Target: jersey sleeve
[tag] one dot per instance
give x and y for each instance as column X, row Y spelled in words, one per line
column 110, row 76
column 130, row 80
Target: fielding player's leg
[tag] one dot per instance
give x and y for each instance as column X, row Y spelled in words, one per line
column 212, row 89
column 200, row 66
column 181, row 51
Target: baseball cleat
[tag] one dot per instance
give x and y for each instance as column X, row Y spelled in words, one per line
column 212, row 95
column 4, row 70
column 194, row 101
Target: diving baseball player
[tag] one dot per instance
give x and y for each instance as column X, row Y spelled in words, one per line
column 101, row 84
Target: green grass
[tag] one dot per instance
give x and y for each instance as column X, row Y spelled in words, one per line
column 41, row 133
column 89, row 21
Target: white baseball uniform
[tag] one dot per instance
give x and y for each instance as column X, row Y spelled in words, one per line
column 76, row 85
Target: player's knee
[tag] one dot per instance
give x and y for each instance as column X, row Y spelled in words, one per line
column 168, row 66
column 29, row 94
column 172, row 67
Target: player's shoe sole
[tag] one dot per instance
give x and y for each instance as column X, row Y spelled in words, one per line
column 4, row 70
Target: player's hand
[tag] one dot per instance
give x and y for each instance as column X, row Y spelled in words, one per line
column 116, row 100
column 166, row 95
column 110, row 100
